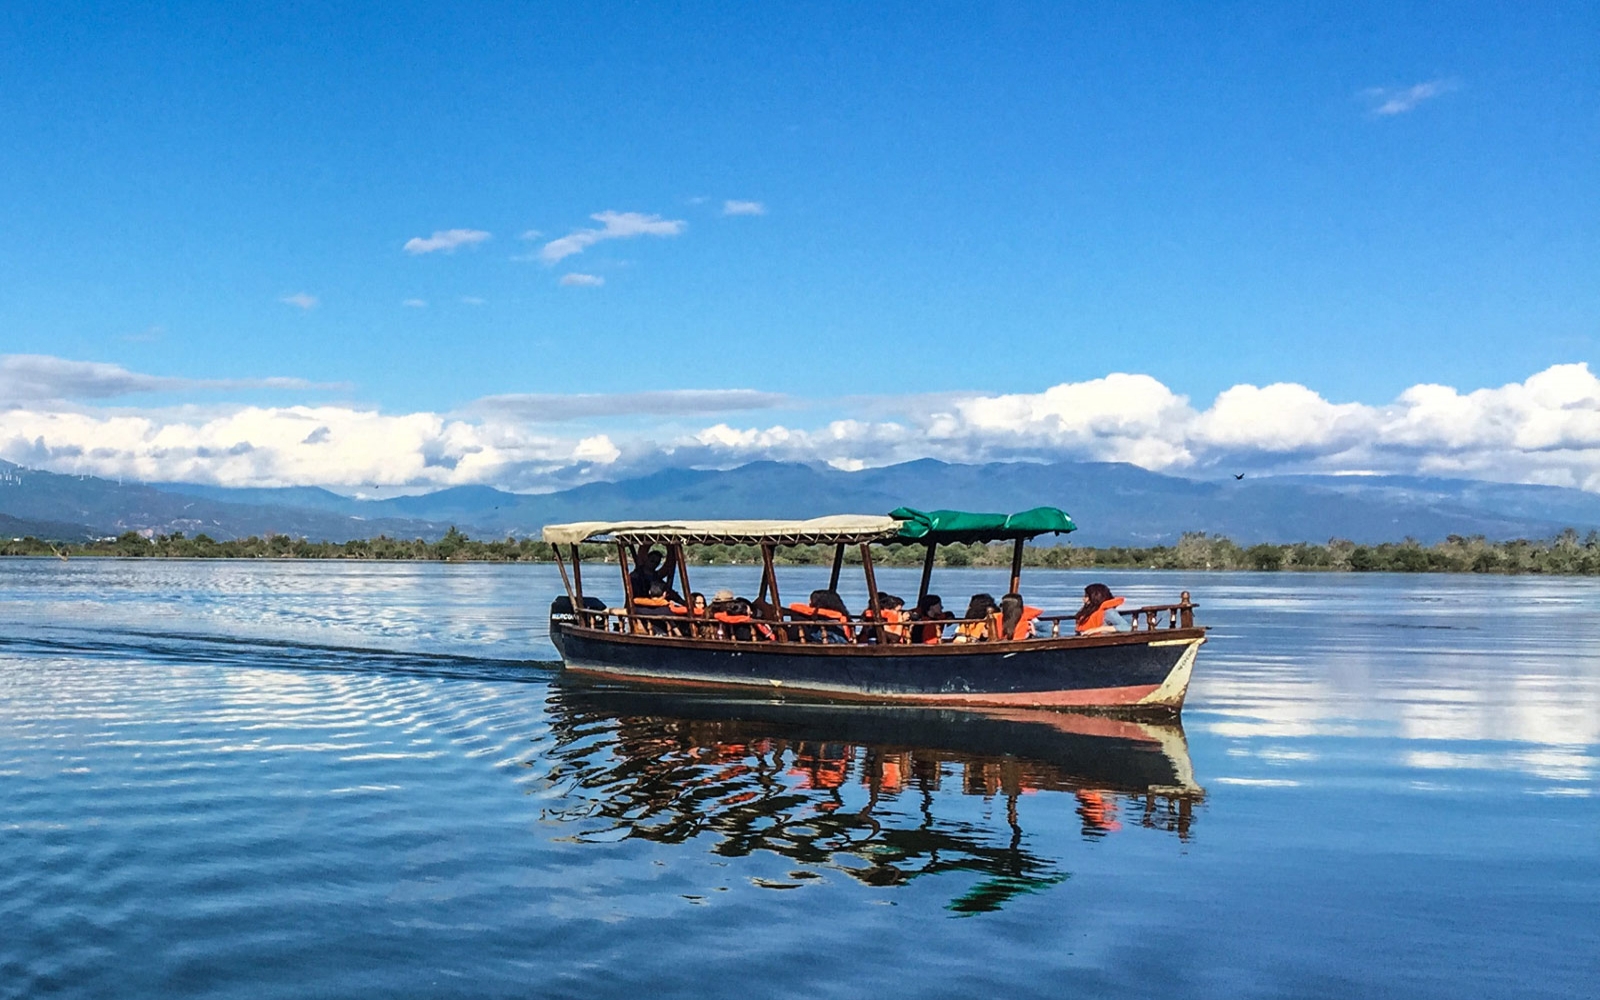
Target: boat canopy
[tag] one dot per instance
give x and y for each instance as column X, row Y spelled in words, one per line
column 944, row 526
column 836, row 529
column 936, row 527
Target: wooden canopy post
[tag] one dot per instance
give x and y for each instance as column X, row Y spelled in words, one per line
column 572, row 595
column 872, row 589
column 683, row 569
column 1016, row 568
column 769, row 581
column 838, row 564
column 577, row 572
column 627, row 582
column 676, row 548
column 927, row 573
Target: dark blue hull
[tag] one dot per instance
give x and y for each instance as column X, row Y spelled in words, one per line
column 1128, row 671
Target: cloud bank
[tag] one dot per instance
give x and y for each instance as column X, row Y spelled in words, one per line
column 1545, row 429
column 544, row 407
column 31, row 378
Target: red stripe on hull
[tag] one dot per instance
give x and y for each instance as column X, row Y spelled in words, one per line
column 1117, row 697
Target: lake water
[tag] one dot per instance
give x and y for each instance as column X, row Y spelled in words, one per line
column 335, row 779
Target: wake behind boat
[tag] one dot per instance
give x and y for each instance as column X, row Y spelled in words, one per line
column 1013, row 657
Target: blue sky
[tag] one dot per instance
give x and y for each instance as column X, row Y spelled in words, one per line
column 942, row 200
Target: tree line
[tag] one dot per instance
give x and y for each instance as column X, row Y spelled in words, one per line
column 1565, row 554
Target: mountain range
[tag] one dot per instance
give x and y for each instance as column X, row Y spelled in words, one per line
column 1112, row 503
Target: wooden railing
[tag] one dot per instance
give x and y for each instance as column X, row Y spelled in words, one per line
column 797, row 629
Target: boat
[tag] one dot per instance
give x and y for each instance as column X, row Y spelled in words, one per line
column 865, row 657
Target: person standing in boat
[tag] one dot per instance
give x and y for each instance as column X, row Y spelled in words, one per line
column 1098, row 615
column 647, row 570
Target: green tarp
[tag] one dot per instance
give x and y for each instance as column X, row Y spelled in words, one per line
column 943, row 526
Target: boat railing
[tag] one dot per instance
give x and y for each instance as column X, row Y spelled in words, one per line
column 800, row 629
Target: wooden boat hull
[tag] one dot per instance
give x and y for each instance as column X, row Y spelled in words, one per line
column 1129, row 672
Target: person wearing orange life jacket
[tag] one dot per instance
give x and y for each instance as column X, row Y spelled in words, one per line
column 929, row 619
column 892, row 611
column 738, row 617
column 1016, row 618
column 656, row 604
column 979, row 625
column 825, row 606
column 1098, row 615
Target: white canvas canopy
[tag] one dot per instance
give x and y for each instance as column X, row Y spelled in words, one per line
column 833, row 529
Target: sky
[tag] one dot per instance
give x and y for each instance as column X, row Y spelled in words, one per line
column 406, row 246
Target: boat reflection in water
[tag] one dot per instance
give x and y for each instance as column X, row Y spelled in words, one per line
column 858, row 789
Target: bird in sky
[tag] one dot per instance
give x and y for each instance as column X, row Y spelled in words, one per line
column 1238, row 475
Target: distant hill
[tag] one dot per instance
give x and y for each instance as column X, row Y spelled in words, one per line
column 55, row 531
column 1113, row 503
column 103, row 507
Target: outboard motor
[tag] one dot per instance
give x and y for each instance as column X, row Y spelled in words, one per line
column 561, row 608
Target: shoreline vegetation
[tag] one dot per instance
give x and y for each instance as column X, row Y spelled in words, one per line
column 1567, row 554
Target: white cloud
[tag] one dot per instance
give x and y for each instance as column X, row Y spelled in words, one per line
column 1387, row 101
column 529, row 234
column 1281, row 418
column 446, row 240
column 732, row 207
column 597, row 449
column 300, row 300
column 582, row 280
column 613, row 226
column 414, row 303
column 471, row 300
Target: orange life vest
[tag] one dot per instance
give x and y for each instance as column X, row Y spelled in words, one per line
column 762, row 629
column 1098, row 618
column 976, row 631
column 1024, row 629
column 892, row 618
column 660, row 602
column 807, row 611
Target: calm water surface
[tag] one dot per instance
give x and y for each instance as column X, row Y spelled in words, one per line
column 327, row 779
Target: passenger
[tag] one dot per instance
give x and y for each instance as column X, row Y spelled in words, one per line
column 930, row 617
column 737, row 617
column 979, row 624
column 695, row 611
column 657, row 604
column 721, row 602
column 892, row 610
column 1016, row 618
column 826, row 605
column 1099, row 612
column 647, row 570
